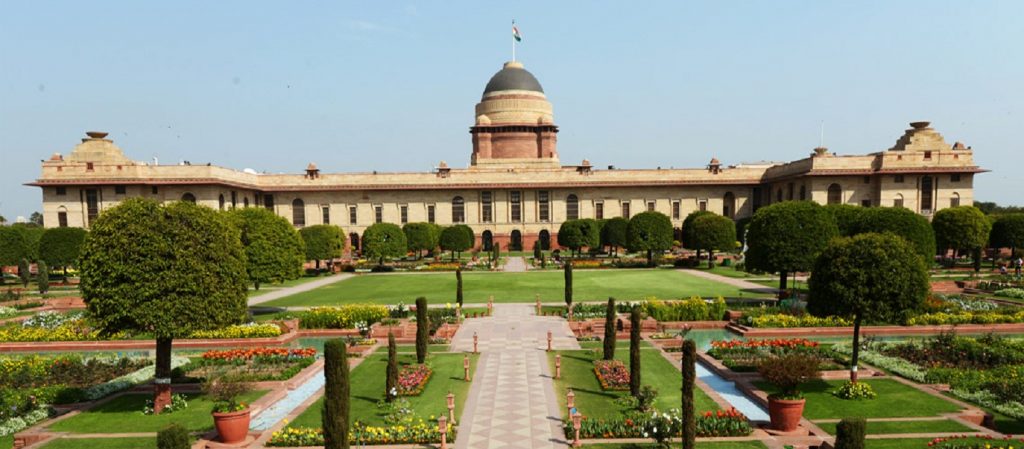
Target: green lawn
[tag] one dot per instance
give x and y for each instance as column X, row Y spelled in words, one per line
column 101, row 443
column 700, row 445
column 592, row 401
column 891, row 427
column 7, row 442
column 894, row 400
column 588, row 285
column 368, row 388
column 267, row 288
column 113, row 416
column 913, row 443
column 724, row 271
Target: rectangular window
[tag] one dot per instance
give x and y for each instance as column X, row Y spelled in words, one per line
column 927, row 155
column 515, row 200
column 865, row 203
column 898, row 202
column 650, row 206
column 789, row 194
column 404, row 211
column 378, row 214
column 430, row 213
column 599, row 211
column 867, row 180
column 543, row 206
column 153, row 190
column 88, row 166
column 326, row 211
column 120, row 190
column 702, row 205
column 955, row 177
column 92, row 204
column 486, row 207
column 675, row 210
column 352, row 215
column 898, row 179
column 61, row 191
column 234, row 199
column 268, row 201
column 625, row 210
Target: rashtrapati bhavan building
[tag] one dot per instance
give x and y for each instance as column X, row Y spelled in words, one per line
column 515, row 190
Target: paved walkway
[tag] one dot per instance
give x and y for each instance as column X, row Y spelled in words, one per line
column 736, row 282
column 514, row 265
column 512, row 401
column 304, row 287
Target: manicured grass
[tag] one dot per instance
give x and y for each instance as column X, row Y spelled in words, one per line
column 592, row 401
column 126, row 410
column 368, row 389
column 7, row 442
column 267, row 288
column 891, row 427
column 894, row 400
column 724, row 271
column 913, row 443
column 101, row 443
column 700, row 445
column 588, row 285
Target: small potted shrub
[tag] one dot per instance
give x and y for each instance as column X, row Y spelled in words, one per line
column 787, row 372
column 230, row 415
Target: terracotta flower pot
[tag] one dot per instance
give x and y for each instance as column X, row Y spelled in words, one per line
column 232, row 427
column 785, row 414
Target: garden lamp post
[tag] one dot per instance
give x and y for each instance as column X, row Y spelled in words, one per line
column 475, row 341
column 570, row 400
column 451, row 407
column 577, row 419
column 465, row 366
column 558, row 366
column 549, row 341
column 442, row 426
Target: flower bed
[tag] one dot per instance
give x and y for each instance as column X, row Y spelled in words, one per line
column 440, row 266
column 344, row 317
column 586, row 264
column 786, row 320
column 1017, row 293
column 611, row 374
column 249, row 330
column 412, row 379
column 723, row 423
column 52, row 326
column 421, row 432
column 746, row 355
column 692, row 309
column 976, row 442
column 967, row 318
column 248, row 364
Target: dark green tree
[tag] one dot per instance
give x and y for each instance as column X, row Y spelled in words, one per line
column 274, row 251
column 422, row 329
column 457, row 239
column 591, row 230
column 650, row 232
column 873, row 277
column 689, row 234
column 634, row 351
column 61, row 246
column 1008, row 232
column 613, row 233
column 43, row 276
column 849, row 218
column 24, row 272
column 391, row 380
column 458, row 287
column 711, row 232
column 174, row 436
column 497, row 253
column 336, row 395
column 570, row 235
column 420, row 237
column 36, row 218
column 850, row 433
column 13, row 247
column 167, row 270
column 536, row 250
column 962, row 228
column 324, row 242
column 689, row 379
column 787, row 237
column 609, row 330
column 567, row 269
column 32, row 234
column 902, row 222
column 384, row 241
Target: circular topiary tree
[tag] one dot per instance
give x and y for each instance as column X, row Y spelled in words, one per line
column 903, row 222
column 323, row 242
column 867, row 277
column 613, row 233
column 13, row 247
column 962, row 228
column 650, row 232
column 384, row 240
column 688, row 233
column 787, row 237
column 274, row 252
column 849, row 218
column 570, row 235
column 165, row 270
column 1008, row 232
column 420, row 237
column 61, row 246
column 456, row 239
column 711, row 232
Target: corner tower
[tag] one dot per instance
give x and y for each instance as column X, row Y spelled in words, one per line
column 514, row 122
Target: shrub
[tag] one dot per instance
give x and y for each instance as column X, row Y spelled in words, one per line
column 850, row 433
column 225, row 394
column 344, row 317
column 43, row 277
column 422, row 329
column 855, row 391
column 786, row 321
column 787, row 372
column 173, row 436
column 1017, row 293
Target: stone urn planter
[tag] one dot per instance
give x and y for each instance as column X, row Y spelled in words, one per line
column 785, row 414
column 232, row 427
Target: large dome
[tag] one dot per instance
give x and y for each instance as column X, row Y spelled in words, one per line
column 513, row 77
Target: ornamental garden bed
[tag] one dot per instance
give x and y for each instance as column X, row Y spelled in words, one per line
column 385, row 424
column 247, row 364
column 51, row 326
column 612, row 375
column 720, row 423
column 412, row 379
column 744, row 356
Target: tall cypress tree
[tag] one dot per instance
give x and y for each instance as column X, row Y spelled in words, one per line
column 43, row 276
column 458, row 287
column 336, row 392
column 422, row 329
column 850, row 433
column 689, row 378
column 609, row 330
column 634, row 351
column 568, row 284
column 391, row 383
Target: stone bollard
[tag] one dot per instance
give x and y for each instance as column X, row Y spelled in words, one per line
column 549, row 341
column 570, row 400
column 451, row 407
column 442, row 426
column 465, row 366
column 475, row 341
column 490, row 305
column 577, row 420
column 538, row 305
column 558, row 366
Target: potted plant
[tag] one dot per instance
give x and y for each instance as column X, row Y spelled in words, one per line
column 230, row 415
column 787, row 372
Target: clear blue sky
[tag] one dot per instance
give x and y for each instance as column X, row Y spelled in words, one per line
column 357, row 86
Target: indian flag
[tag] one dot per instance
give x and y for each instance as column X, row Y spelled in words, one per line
column 515, row 33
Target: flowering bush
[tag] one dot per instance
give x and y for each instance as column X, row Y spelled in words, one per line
column 693, row 309
column 852, row 390
column 412, row 432
column 612, row 374
column 75, row 329
column 344, row 317
column 259, row 353
column 941, row 318
column 786, row 321
column 51, row 320
column 787, row 372
column 721, row 423
column 661, row 427
column 19, row 423
column 1017, row 293
column 769, row 343
column 440, row 266
column 249, row 330
column 7, row 312
column 412, row 379
column 586, row 264
column 178, row 402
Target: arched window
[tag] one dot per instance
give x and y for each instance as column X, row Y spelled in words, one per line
column 572, row 207
column 298, row 213
column 516, row 241
column 545, row 240
column 354, row 240
column 189, row 197
column 487, row 241
column 220, row 202
column 835, row 194
column 62, row 216
column 898, row 200
column 729, row 205
column 954, row 200
column 458, row 210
